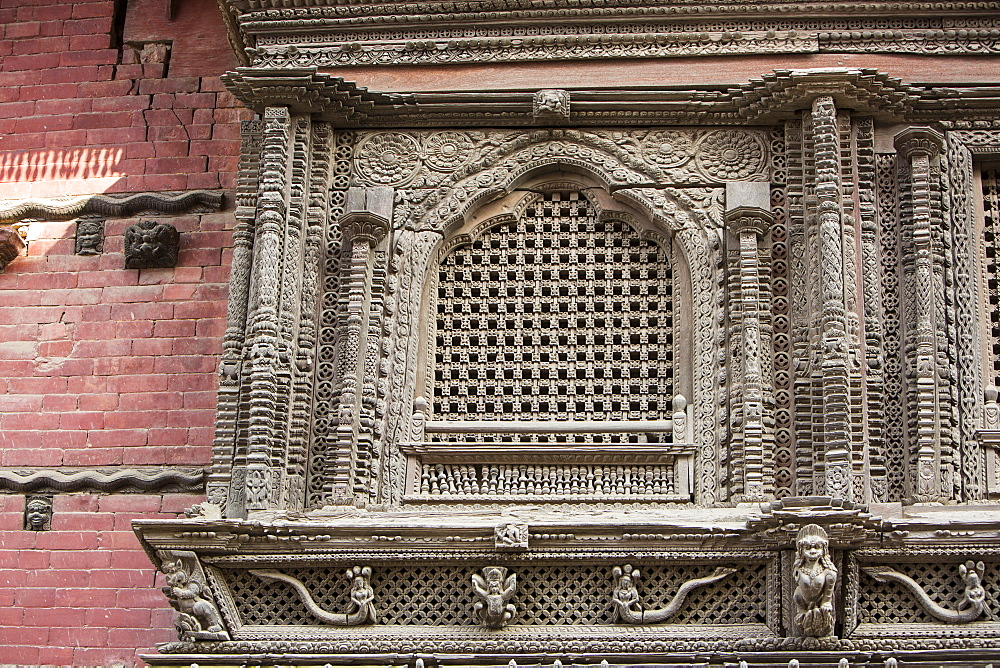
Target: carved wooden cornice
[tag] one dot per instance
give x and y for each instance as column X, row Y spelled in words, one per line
column 773, row 97
column 118, row 205
column 305, row 90
column 328, row 34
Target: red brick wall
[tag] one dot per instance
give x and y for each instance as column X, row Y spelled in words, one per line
column 101, row 365
column 81, row 115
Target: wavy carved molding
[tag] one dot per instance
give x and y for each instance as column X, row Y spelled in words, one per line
column 113, row 205
column 102, row 480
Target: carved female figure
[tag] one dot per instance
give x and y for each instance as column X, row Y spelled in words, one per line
column 362, row 594
column 815, row 577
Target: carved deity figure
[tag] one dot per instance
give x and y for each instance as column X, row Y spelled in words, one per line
column 197, row 616
column 89, row 237
column 625, row 596
column 149, row 244
column 362, row 594
column 815, row 578
column 38, row 513
column 495, row 588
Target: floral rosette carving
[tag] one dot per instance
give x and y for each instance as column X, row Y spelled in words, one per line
column 388, row 158
column 730, row 155
column 447, row 151
column 667, row 148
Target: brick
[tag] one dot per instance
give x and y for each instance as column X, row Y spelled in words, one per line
column 146, row 401
column 26, row 29
column 80, row 636
column 129, row 71
column 107, row 348
column 33, row 61
column 172, row 328
column 21, row 402
column 78, row 598
column 75, row 503
column 60, row 402
column 132, row 293
column 132, row 419
column 109, row 119
column 32, row 559
column 92, row 456
column 141, row 312
column 190, row 382
column 113, row 366
column 168, row 437
column 119, row 617
column 152, row 347
column 56, row 578
column 86, row 42
column 175, row 165
column 126, row 103
column 81, row 420
column 119, row 438
column 64, row 367
column 75, row 559
column 87, row 26
column 26, row 420
column 98, row 402
column 172, row 85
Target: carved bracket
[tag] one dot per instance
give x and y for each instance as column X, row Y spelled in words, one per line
column 187, row 590
column 625, row 598
column 971, row 606
column 362, row 606
column 495, row 589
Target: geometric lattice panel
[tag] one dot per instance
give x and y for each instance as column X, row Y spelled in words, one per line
column 892, row 603
column 991, row 230
column 555, row 316
column 440, row 594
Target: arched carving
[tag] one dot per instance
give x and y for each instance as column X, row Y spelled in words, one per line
column 691, row 217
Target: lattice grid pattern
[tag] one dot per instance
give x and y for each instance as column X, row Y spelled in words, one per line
column 557, row 315
column 991, row 229
column 437, row 594
column 892, row 603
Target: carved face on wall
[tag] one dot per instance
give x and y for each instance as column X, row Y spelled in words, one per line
column 38, row 514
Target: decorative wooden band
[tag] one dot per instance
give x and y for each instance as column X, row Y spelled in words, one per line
column 102, row 480
column 117, row 205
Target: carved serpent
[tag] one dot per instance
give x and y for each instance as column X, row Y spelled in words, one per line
column 364, row 614
column 970, row 608
column 632, row 616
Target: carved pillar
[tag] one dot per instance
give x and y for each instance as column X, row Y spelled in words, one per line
column 262, row 325
column 833, row 319
column 365, row 224
column 220, row 473
column 919, row 146
column 749, row 223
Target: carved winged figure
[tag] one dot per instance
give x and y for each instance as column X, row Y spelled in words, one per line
column 195, row 613
column 815, row 578
column 970, row 608
column 626, row 597
column 362, row 606
column 495, row 588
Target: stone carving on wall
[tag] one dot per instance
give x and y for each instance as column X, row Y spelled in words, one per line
column 362, row 605
column 971, row 606
column 118, row 205
column 38, row 513
column 149, row 245
column 90, row 236
column 495, row 589
column 188, row 593
column 815, row 579
column 628, row 608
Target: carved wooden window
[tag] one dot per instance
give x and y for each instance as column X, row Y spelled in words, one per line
column 556, row 315
column 552, row 364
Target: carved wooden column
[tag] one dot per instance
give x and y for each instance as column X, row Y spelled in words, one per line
column 919, row 146
column 749, row 219
column 833, row 320
column 365, row 224
column 262, row 323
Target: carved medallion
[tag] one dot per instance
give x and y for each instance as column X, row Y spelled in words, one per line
column 667, row 148
column 388, row 158
column 446, row 151
column 729, row 155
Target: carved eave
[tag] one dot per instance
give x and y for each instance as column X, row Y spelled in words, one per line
column 846, row 523
column 305, row 90
column 779, row 95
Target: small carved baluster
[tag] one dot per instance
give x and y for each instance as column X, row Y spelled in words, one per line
column 425, row 478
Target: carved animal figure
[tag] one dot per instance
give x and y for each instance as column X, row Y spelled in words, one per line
column 195, row 612
column 149, row 244
column 495, row 588
column 362, row 607
column 626, row 597
column 815, row 578
column 970, row 608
